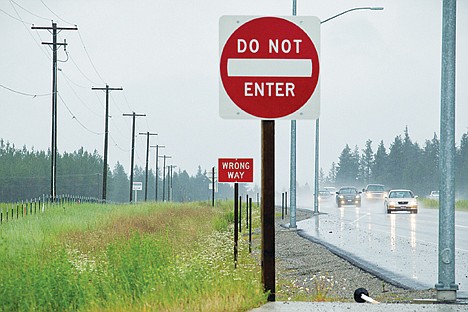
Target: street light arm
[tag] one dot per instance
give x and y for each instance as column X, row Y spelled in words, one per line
column 353, row 9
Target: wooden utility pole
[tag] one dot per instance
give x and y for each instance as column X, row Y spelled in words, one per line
column 134, row 115
column 148, row 134
column 157, row 171
column 106, row 140
column 55, row 45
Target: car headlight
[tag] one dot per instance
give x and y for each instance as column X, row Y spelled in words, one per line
column 340, row 196
column 358, row 197
column 391, row 203
column 414, row 203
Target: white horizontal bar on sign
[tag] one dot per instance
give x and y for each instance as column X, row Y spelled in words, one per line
column 238, row 67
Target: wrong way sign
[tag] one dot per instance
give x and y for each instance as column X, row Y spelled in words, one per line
column 269, row 67
column 233, row 170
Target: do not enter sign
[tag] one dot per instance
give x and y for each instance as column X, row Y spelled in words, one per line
column 269, row 67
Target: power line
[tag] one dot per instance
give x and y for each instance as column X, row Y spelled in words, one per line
column 89, row 58
column 81, row 72
column 44, row 18
column 45, row 52
column 117, row 145
column 77, row 120
column 24, row 93
column 56, row 14
column 15, row 18
column 79, row 98
column 69, row 80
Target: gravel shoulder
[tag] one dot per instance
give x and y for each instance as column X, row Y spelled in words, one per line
column 307, row 271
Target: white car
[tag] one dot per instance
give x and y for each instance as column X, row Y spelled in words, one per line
column 434, row 195
column 401, row 200
column 331, row 190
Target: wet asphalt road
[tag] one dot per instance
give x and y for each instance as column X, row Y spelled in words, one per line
column 400, row 247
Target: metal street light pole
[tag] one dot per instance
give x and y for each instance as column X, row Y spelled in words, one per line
column 292, row 197
column 317, row 122
column 446, row 286
column 292, row 172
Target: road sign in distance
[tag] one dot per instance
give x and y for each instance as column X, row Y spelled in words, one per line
column 137, row 186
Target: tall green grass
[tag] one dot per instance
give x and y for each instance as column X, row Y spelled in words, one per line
column 461, row 205
column 144, row 257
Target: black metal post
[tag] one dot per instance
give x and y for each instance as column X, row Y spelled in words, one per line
column 236, row 234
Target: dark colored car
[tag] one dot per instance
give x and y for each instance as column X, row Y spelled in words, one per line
column 374, row 191
column 348, row 195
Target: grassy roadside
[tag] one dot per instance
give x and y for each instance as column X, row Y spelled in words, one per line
column 460, row 205
column 144, row 257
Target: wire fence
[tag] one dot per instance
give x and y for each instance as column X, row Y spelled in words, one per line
column 16, row 210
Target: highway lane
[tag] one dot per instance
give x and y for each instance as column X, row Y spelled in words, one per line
column 401, row 247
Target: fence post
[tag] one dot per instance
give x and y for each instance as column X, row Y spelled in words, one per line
column 250, row 225
column 286, row 203
column 246, row 211
column 240, row 214
column 282, row 206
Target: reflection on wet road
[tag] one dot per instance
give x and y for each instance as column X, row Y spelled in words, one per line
column 400, row 246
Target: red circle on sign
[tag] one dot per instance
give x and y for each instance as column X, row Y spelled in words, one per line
column 269, row 67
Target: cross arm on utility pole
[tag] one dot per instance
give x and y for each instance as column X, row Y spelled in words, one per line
column 107, row 88
column 134, row 114
column 52, row 27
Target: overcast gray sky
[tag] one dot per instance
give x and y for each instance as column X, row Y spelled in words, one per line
column 380, row 72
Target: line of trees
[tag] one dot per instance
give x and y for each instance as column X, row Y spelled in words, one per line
column 404, row 165
column 25, row 174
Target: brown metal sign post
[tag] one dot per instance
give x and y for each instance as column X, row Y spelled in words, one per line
column 269, row 69
column 268, row 207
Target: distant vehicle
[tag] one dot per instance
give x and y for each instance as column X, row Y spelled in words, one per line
column 374, row 191
column 401, row 200
column 348, row 195
column 331, row 190
column 324, row 195
column 434, row 195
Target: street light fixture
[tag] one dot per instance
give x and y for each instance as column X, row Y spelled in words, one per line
column 316, row 183
column 292, row 205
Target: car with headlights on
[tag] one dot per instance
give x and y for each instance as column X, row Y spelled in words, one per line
column 401, row 200
column 348, row 195
column 374, row 191
column 323, row 195
column 331, row 190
